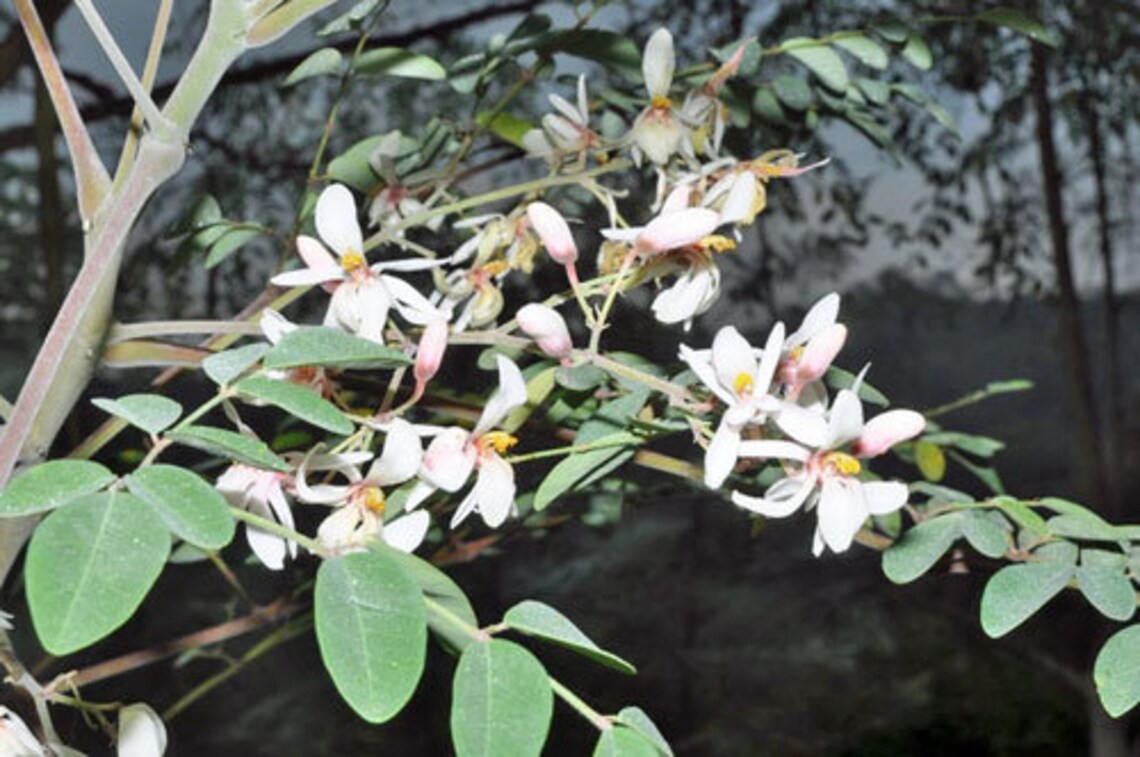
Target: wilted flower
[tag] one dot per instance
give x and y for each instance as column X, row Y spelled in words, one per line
column 566, row 132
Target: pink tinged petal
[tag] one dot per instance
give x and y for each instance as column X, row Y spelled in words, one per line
column 721, row 456
column 680, row 229
column 338, row 529
column 738, row 205
column 403, row 454
column 564, row 133
column 429, row 352
column 552, row 228
column 782, row 498
column 821, row 315
column 770, row 360
column 845, row 420
column 317, row 258
column 686, row 298
column 773, row 449
column 884, row 497
column 510, row 394
column 448, row 460
column 732, row 359
column 807, row 427
column 657, row 63
column 888, row 429
column 270, row 550
column 336, row 220
column 678, row 199
column 407, row 532
column 536, row 144
column 547, row 328
column 820, row 351
column 841, row 512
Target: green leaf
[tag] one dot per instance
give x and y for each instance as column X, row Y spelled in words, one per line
column 616, row 52
column 438, row 587
column 982, row 446
column 50, row 485
column 821, row 60
column 297, row 401
column 580, row 378
column 1015, row 592
column 229, row 243
column 506, row 126
column 353, row 18
column 987, row 476
column 224, row 367
column 1019, row 22
column 354, row 167
column 331, row 347
column 917, row 53
column 792, row 91
column 396, row 61
column 321, row 62
column 986, row 532
column 501, row 701
column 189, row 506
column 930, row 460
column 877, row 92
column 90, row 565
column 1012, row 385
column 544, row 622
column 1117, row 671
column 1022, row 515
column 1108, row 589
column 841, row 379
column 767, row 107
column 920, row 548
column 624, row 742
column 223, row 443
column 153, row 413
column 892, row 30
column 371, row 630
column 532, row 25
column 866, row 50
column 635, row 718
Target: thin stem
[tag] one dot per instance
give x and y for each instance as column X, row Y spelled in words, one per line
column 122, row 67
column 230, row 577
column 201, row 410
column 122, row 332
column 609, row 365
column 275, row 528
column 599, row 721
column 150, row 71
column 572, row 449
column 611, row 296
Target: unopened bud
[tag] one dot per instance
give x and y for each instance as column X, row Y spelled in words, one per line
column 554, row 232
column 545, row 326
column 429, row 354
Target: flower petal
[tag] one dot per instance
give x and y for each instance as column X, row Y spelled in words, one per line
column 699, row 362
column 336, row 220
column 657, row 63
column 402, row 456
column 552, row 228
column 773, row 449
column 510, row 394
column 547, row 328
column 844, row 420
column 821, row 315
column 680, row 229
column 448, row 460
column 338, row 530
column 770, row 360
column 841, row 512
column 732, row 359
column 883, row 497
column 808, row 427
column 721, row 456
column 782, row 498
column 820, row 351
column 407, row 532
column 888, row 429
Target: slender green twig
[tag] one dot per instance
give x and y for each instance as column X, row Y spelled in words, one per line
column 150, row 71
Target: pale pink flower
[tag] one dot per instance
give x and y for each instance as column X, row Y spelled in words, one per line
column 547, row 328
column 554, row 232
column 261, row 492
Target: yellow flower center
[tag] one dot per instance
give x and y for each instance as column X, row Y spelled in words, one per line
column 661, row 101
column 717, row 243
column 843, row 463
column 352, row 261
column 373, row 499
column 500, row 441
column 743, row 384
column 495, row 267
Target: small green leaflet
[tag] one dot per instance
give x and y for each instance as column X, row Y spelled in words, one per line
column 867, row 51
column 1015, row 592
column 920, row 548
column 192, row 509
column 792, row 91
column 1108, row 589
column 231, row 241
column 930, row 460
column 1019, row 22
column 224, row 367
column 1117, row 671
column 371, row 630
column 501, row 701
column 221, row 442
column 153, row 413
column 620, row 741
column 544, row 622
column 820, row 59
column 917, row 53
column 50, row 485
column 90, row 565
column 321, row 62
column 616, row 52
column 396, row 61
column 297, row 401
column 325, row 346
column 635, row 718
column 986, row 532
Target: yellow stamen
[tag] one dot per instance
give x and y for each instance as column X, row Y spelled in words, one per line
column 500, row 441
column 495, row 267
column 743, row 384
column 352, row 261
column 717, row 243
column 373, row 499
column 843, row 463
column 660, row 101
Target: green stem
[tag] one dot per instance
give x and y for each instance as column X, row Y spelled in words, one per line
column 572, row 449
column 201, row 410
column 614, row 368
column 123, row 332
column 611, row 296
column 275, row 528
column 599, row 721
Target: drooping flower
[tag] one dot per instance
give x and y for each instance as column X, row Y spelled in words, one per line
column 261, row 492
column 547, row 328
column 361, row 294
column 730, row 370
column 668, row 231
column 658, row 131
column 429, row 354
column 358, row 516
column 456, row 452
column 829, row 454
column 554, row 232
column 810, row 349
column 565, row 133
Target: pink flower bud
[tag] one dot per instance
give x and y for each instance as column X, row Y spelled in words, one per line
column 682, row 228
column 555, row 234
column 886, row 430
column 820, row 351
column 545, row 326
column 429, row 354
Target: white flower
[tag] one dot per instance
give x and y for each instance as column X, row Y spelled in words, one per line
column 261, row 492
column 810, row 349
column 733, row 374
column 362, row 294
column 16, row 739
column 456, row 452
column 566, row 132
column 658, row 131
column 828, row 475
column 359, row 514
column 668, row 231
column 694, row 291
column 547, row 328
